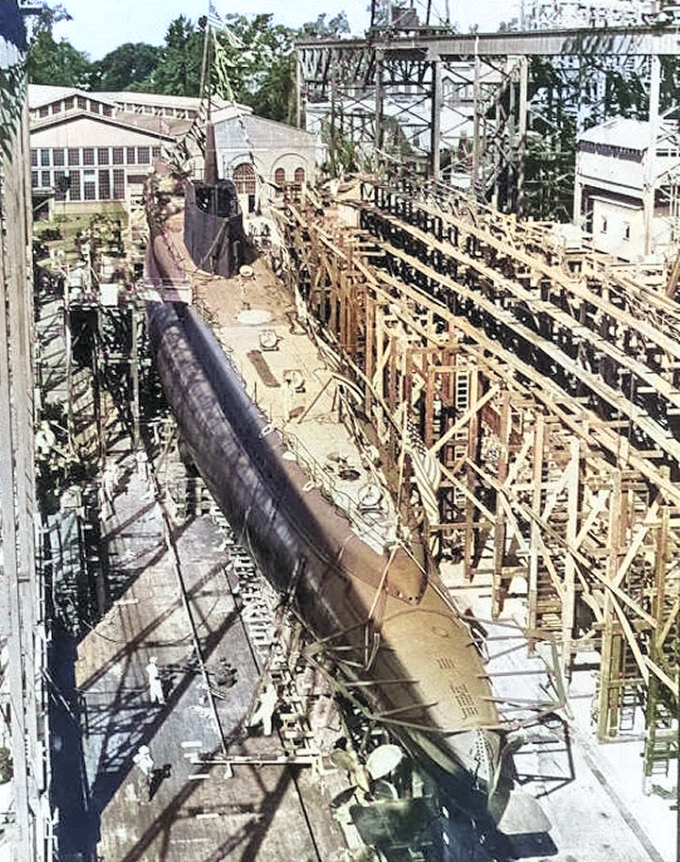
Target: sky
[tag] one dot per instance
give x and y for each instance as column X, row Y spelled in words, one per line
column 98, row 28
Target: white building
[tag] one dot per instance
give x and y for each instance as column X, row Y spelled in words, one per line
column 625, row 193
column 263, row 157
column 90, row 152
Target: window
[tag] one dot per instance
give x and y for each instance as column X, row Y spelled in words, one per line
column 74, row 186
column 56, row 108
column 68, row 103
column 131, row 155
column 45, row 158
column 155, row 152
column 279, row 178
column 603, row 225
column 94, row 107
column 73, row 157
column 143, row 155
column 34, row 158
column 34, row 179
column 626, row 231
column 119, row 184
column 88, row 155
column 60, row 185
column 118, row 155
column 299, row 176
column 82, row 103
column 89, row 188
column 45, row 179
column 103, row 156
column 58, row 158
column 44, row 111
column 104, row 186
column 244, row 179
column 108, row 111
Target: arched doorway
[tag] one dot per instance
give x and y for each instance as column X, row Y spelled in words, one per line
column 244, row 180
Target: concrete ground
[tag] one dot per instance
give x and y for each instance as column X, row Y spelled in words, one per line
column 592, row 793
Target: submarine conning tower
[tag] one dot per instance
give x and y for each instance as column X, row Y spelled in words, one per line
column 213, row 220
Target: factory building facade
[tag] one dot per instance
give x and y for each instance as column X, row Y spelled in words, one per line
column 91, row 152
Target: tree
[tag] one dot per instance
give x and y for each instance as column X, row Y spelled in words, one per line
column 59, row 63
column 250, row 52
column 178, row 72
column 276, row 96
column 126, row 68
column 319, row 29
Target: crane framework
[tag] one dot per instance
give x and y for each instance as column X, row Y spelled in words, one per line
column 580, row 489
column 482, row 103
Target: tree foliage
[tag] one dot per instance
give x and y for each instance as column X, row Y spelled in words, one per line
column 57, row 63
column 178, row 71
column 254, row 63
column 252, row 60
column 335, row 28
column 127, row 68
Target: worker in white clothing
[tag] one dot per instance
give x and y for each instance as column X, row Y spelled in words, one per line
column 265, row 710
column 155, row 684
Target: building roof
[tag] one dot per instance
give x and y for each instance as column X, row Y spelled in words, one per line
column 260, row 133
column 45, row 94
column 619, row 132
column 166, row 127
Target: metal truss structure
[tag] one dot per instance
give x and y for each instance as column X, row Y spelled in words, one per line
column 481, row 110
column 546, row 385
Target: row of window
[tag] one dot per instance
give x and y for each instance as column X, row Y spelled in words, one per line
column 92, row 106
column 243, row 178
column 103, row 184
column 280, row 177
column 82, row 185
column 159, row 110
column 87, row 156
column 626, row 228
column 71, row 102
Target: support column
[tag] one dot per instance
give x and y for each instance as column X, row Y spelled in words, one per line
column 610, row 650
column 568, row 597
column 379, row 103
column 523, row 115
column 650, row 166
column 535, row 533
column 500, row 528
column 477, row 108
column 435, row 121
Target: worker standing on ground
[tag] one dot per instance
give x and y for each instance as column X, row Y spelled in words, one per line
column 144, row 762
column 265, row 710
column 155, row 684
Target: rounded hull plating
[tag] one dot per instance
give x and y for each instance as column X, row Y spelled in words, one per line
column 385, row 627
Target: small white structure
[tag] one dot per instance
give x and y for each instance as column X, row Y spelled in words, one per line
column 625, row 193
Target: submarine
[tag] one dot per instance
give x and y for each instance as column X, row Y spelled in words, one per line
column 383, row 625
